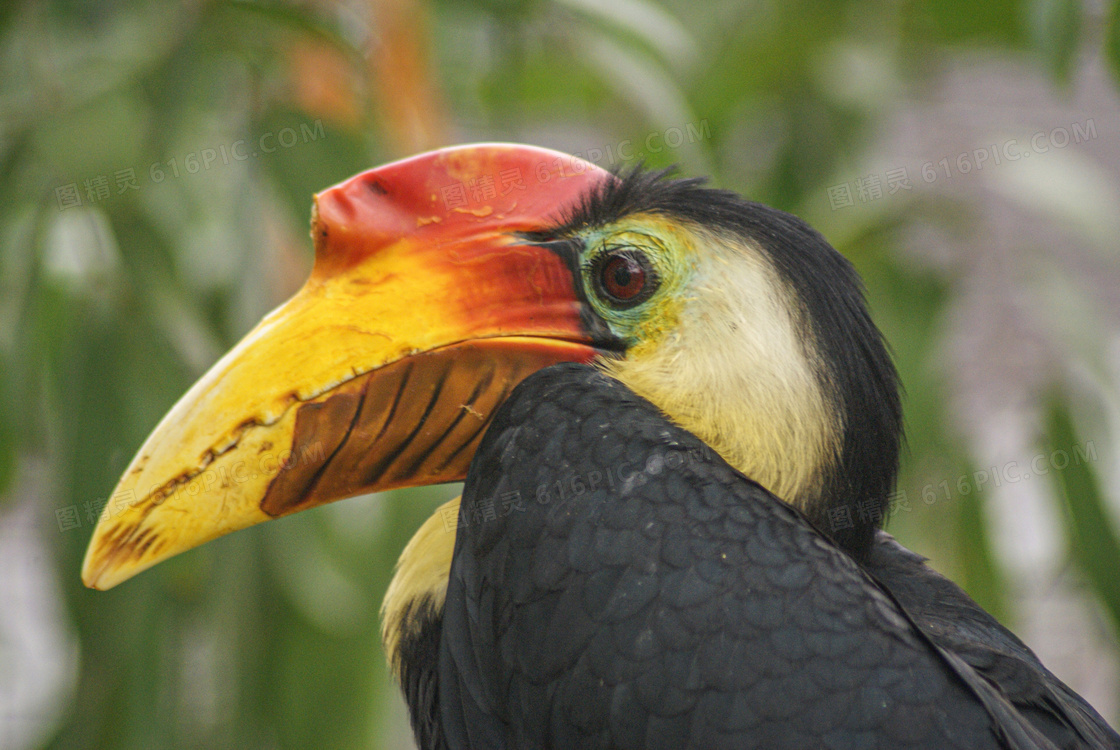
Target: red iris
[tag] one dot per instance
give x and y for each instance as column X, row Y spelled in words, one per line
column 623, row 277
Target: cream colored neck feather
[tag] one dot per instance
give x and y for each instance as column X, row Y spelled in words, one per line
column 736, row 370
column 422, row 570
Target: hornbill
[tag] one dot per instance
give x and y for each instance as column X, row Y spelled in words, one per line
column 661, row 396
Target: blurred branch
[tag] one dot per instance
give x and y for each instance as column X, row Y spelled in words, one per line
column 411, row 109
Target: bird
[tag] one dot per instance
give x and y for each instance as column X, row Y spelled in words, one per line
column 660, row 397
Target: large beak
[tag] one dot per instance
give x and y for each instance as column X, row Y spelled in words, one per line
column 424, row 309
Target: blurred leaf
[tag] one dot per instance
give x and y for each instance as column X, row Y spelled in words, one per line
column 998, row 22
column 1112, row 41
column 1055, row 27
column 981, row 575
column 302, row 19
column 7, row 429
column 97, row 122
column 1091, row 533
column 649, row 88
column 645, row 21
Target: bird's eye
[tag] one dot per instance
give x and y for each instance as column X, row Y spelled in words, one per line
column 624, row 278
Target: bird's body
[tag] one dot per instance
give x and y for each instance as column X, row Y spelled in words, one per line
column 643, row 556
column 687, row 607
column 645, row 594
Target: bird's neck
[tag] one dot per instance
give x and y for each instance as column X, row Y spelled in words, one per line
column 412, row 617
column 740, row 372
column 797, row 392
column 419, row 582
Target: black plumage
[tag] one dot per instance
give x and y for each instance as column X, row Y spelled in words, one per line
column 685, row 606
column 957, row 624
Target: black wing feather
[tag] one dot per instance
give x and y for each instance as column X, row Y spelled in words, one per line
column 659, row 599
column 952, row 620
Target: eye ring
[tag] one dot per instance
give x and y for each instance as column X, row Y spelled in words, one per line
column 624, row 277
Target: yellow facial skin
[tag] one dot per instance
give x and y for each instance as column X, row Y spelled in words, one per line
column 671, row 250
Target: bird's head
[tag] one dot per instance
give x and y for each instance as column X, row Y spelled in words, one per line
column 748, row 329
column 443, row 280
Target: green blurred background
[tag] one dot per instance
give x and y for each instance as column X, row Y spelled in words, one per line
column 157, row 161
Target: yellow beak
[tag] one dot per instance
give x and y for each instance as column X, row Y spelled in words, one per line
column 423, row 310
